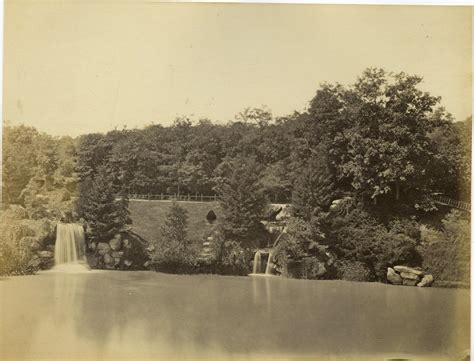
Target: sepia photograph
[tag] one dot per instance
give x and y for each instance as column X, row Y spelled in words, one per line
column 235, row 181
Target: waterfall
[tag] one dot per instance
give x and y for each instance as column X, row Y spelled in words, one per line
column 70, row 244
column 257, row 262
column 269, row 268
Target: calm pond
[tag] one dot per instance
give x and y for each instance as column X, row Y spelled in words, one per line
column 147, row 315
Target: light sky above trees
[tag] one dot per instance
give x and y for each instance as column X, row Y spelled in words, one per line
column 74, row 68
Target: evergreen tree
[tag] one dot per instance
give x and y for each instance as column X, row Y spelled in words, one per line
column 313, row 188
column 242, row 201
column 104, row 215
column 172, row 248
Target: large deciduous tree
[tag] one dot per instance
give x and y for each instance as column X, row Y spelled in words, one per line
column 378, row 133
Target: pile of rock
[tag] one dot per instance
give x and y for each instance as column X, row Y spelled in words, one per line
column 123, row 252
column 408, row 276
column 111, row 254
column 42, row 259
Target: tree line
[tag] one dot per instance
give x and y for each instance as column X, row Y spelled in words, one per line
column 380, row 146
column 380, row 137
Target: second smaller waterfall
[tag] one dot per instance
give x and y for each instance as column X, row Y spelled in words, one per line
column 269, row 268
column 263, row 263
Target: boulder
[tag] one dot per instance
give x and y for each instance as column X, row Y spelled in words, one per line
column 335, row 205
column 47, row 263
column 116, row 260
column 103, row 248
column 127, row 263
column 34, row 246
column 108, row 259
column 408, row 282
column 393, row 277
column 46, row 254
column 116, row 242
column 409, row 276
column 127, row 244
column 147, row 264
column 35, row 262
column 426, row 281
column 406, row 269
column 117, row 254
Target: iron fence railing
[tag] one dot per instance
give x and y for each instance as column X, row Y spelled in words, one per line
column 451, row 202
column 191, row 198
column 175, row 197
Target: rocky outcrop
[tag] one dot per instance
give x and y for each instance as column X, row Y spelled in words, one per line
column 426, row 281
column 30, row 238
column 408, row 276
column 116, row 242
column 393, row 277
column 123, row 252
column 406, row 269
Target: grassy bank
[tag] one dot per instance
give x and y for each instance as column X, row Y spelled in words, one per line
column 149, row 216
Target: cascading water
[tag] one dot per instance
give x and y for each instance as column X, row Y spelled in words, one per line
column 69, row 251
column 262, row 263
column 257, row 262
column 269, row 268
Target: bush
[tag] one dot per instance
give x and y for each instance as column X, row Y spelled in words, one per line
column 446, row 253
column 353, row 271
column 232, row 258
column 15, row 253
column 359, row 237
column 300, row 252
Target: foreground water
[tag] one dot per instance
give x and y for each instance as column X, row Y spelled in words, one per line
column 145, row 315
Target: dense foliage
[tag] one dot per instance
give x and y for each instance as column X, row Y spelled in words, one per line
column 380, row 146
column 446, row 252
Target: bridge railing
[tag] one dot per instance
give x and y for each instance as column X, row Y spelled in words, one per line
column 451, row 202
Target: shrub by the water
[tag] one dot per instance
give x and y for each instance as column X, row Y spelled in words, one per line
column 20, row 238
column 353, row 271
column 232, row 258
column 446, row 252
column 360, row 237
column 300, row 253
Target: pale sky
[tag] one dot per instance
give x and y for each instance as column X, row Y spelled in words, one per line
column 89, row 66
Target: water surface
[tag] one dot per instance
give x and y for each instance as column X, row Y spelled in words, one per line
column 146, row 315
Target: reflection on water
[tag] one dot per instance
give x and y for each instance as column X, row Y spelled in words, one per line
column 139, row 315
